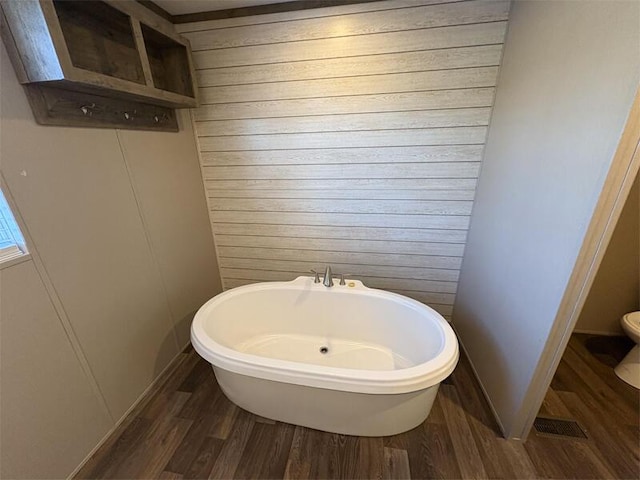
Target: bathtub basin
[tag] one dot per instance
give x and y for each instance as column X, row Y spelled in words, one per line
column 346, row 359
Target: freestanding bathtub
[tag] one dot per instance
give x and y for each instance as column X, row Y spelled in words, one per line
column 346, row 359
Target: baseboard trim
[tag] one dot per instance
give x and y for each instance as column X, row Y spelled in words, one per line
column 619, row 333
column 162, row 377
column 484, row 390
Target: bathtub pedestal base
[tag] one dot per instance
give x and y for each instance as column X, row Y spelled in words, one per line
column 347, row 413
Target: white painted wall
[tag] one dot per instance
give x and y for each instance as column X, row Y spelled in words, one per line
column 51, row 416
column 616, row 286
column 569, row 73
column 122, row 256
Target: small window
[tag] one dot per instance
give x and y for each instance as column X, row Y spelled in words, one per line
column 11, row 241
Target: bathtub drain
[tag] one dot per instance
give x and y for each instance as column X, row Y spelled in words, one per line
column 324, row 350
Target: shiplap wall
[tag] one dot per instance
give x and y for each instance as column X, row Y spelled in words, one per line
column 349, row 136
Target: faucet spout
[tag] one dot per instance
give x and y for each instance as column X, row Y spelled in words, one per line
column 328, row 277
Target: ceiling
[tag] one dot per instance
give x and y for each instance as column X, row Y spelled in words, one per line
column 181, row 7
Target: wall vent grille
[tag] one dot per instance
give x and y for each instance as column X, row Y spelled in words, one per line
column 558, row 427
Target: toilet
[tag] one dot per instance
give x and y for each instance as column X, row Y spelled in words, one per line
column 629, row 368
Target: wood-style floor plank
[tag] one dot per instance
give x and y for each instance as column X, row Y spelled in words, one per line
column 205, row 459
column 598, row 388
column 224, row 418
column 202, row 399
column 364, row 459
column 231, row 453
column 553, row 406
column 103, row 463
column 464, row 446
column 155, row 448
column 609, row 350
column 624, row 456
column 491, row 447
column 598, row 413
column 432, row 455
column 321, row 451
column 436, row 415
column 266, row 452
column 396, row 464
column 549, row 461
column 297, row 466
column 520, row 465
column 185, row 454
column 169, row 476
column 159, row 448
column 186, row 428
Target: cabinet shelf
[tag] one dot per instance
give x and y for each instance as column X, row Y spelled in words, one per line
column 100, row 39
column 168, row 62
column 114, row 49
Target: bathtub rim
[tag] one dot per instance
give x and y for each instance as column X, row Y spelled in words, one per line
column 417, row 377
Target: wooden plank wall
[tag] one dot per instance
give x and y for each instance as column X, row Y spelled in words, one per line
column 350, row 136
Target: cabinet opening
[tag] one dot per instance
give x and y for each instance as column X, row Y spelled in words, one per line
column 100, row 39
column 169, row 62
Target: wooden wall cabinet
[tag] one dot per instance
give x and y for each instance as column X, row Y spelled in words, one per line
column 114, row 49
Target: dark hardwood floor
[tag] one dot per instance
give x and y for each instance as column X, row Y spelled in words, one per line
column 188, row 429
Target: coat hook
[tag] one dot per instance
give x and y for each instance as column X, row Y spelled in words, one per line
column 127, row 116
column 88, row 109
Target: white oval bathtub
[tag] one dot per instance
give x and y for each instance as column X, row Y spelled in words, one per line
column 346, row 359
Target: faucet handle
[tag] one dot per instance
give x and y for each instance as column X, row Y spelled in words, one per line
column 342, row 277
column 317, row 278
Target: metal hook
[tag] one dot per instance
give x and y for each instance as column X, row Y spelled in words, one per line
column 88, row 109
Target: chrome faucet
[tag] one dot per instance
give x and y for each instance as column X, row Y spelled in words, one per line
column 316, row 276
column 327, row 281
